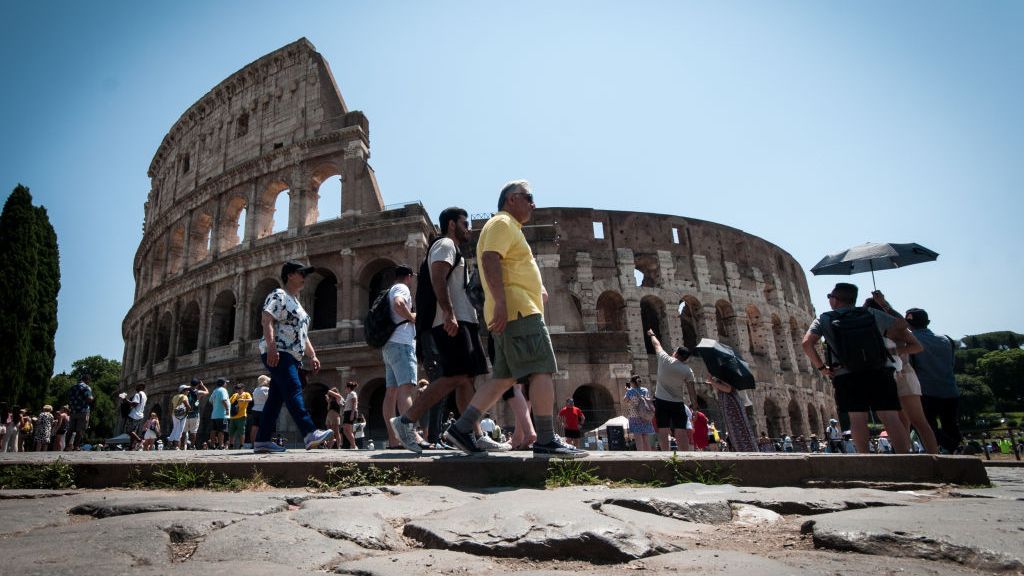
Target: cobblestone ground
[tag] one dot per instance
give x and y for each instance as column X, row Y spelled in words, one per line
column 409, row 530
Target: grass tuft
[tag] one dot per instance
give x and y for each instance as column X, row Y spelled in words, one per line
column 58, row 475
column 350, row 475
column 683, row 474
column 192, row 477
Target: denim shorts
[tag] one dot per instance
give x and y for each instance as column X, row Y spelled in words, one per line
column 399, row 364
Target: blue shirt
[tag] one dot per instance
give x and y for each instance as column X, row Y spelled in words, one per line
column 78, row 398
column 218, row 398
column 934, row 365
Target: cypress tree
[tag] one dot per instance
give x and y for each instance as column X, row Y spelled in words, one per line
column 18, row 285
column 42, row 351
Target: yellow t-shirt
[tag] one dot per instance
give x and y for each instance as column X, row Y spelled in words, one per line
column 244, row 399
column 523, row 285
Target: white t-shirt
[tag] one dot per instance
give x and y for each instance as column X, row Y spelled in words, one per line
column 404, row 333
column 139, row 409
column 259, row 398
column 672, row 378
column 444, row 251
column 350, row 400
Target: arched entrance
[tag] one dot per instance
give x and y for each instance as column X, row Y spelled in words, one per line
column 813, row 423
column 773, row 418
column 373, row 393
column 796, row 419
column 596, row 403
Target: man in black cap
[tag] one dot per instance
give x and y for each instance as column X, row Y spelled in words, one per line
column 400, row 352
column 940, row 396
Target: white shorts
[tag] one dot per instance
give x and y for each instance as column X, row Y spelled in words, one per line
column 179, row 427
column 907, row 383
column 192, row 426
column 149, row 435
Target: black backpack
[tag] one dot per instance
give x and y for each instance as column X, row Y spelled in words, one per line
column 378, row 326
column 126, row 406
column 426, row 300
column 858, row 343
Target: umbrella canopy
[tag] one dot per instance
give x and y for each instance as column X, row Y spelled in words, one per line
column 617, row 421
column 725, row 364
column 870, row 257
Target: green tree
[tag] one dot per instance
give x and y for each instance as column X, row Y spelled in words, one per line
column 975, row 396
column 994, row 340
column 1004, row 373
column 106, row 375
column 43, row 328
column 966, row 360
column 18, row 283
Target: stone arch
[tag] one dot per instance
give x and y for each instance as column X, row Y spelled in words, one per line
column 652, row 317
column 268, row 221
column 690, row 321
column 188, row 331
column 199, row 237
column 774, row 420
column 222, row 319
column 259, row 295
column 163, row 336
column 329, row 188
column 176, row 250
column 373, row 391
column 756, row 332
column 782, row 351
column 232, row 230
column 157, row 262
column 649, row 268
column 147, row 343
column 725, row 320
column 324, row 308
column 709, row 406
column 611, row 312
column 597, row 404
column 813, row 421
column 796, row 418
column 797, row 336
column 374, row 277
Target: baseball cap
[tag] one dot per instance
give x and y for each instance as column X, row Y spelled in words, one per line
column 196, row 381
column 917, row 318
column 223, row 381
column 401, row 271
column 183, row 387
column 295, row 266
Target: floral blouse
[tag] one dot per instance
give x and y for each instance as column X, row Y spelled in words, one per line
column 292, row 323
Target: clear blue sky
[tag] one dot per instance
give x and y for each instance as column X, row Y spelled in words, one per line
column 815, row 125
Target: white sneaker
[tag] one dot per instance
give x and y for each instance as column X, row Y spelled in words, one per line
column 317, row 437
column 485, row 442
column 406, row 434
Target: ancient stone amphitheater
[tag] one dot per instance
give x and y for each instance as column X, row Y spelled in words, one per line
column 272, row 165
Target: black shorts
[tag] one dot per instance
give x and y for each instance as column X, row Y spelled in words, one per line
column 218, row 425
column 861, row 391
column 670, row 414
column 462, row 354
column 254, row 417
column 570, row 433
column 348, row 417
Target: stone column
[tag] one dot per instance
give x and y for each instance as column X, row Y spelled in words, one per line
column 241, row 318
column 204, row 323
column 251, row 213
column 346, row 297
column 186, row 242
column 215, row 232
column 172, row 341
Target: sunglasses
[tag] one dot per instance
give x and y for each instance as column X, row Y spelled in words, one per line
column 527, row 195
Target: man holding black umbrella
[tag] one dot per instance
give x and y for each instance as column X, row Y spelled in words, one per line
column 862, row 373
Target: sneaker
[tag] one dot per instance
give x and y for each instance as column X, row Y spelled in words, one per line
column 487, row 443
column 317, row 437
column 461, row 440
column 267, row 448
column 406, row 434
column 558, row 449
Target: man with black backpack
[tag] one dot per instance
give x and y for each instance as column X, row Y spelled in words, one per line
column 447, row 329
column 859, row 364
column 399, row 351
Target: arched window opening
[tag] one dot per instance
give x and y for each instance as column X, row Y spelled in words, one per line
column 725, row 320
column 325, row 302
column 781, row 349
column 796, row 419
column 163, row 337
column 222, row 324
column 176, row 252
column 597, row 405
column 652, row 317
column 689, row 321
column 272, row 209
column 647, row 266
column 773, row 418
column 329, row 201
column 232, row 229
column 188, row 333
column 813, row 422
column 259, row 296
column 755, row 331
column 147, row 339
column 383, row 278
column 199, row 241
column 280, row 219
column 611, row 312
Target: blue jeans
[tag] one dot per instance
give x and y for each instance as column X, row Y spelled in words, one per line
column 285, row 388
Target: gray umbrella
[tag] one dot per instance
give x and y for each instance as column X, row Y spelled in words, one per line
column 871, row 257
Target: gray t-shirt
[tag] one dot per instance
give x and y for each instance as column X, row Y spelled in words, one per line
column 444, row 251
column 672, row 378
column 822, row 326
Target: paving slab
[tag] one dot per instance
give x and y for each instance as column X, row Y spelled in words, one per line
column 1007, row 483
column 419, row 562
column 22, row 515
column 980, row 533
column 142, row 501
column 540, row 525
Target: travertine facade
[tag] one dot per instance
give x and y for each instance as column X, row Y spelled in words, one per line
column 210, row 254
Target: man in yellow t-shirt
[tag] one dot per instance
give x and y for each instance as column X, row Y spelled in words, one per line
column 236, row 425
column 514, row 311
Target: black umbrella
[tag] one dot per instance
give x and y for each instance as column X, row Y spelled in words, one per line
column 725, row 364
column 871, row 257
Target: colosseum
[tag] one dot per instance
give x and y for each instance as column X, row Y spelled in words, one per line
column 272, row 165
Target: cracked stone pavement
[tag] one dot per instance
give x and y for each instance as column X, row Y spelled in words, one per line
column 719, row 530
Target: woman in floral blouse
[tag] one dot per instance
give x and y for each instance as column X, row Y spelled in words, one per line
column 285, row 341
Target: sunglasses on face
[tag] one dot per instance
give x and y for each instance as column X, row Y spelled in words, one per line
column 527, row 195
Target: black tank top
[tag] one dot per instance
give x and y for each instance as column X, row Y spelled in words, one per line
column 334, row 406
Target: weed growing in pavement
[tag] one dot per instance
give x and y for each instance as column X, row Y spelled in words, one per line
column 562, row 473
column 350, row 475
column 715, row 474
column 190, row 477
column 57, row 475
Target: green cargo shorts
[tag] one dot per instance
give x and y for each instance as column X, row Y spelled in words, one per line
column 524, row 348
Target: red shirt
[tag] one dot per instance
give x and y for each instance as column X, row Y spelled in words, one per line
column 700, row 430
column 572, row 416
